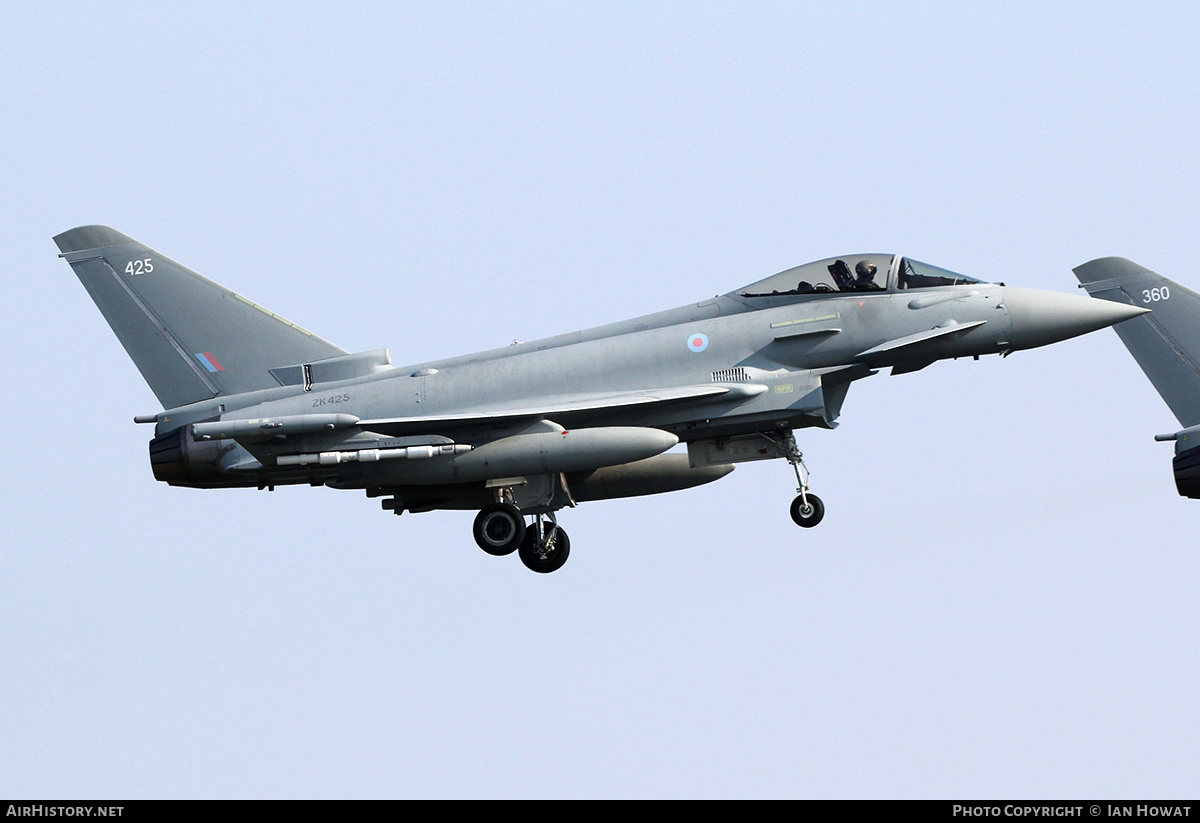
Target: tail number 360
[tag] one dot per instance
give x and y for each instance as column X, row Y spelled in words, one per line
column 1155, row 295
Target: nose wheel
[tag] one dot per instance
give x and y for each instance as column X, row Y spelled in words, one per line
column 807, row 510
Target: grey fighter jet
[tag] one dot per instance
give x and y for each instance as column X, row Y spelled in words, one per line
column 523, row 431
column 1165, row 343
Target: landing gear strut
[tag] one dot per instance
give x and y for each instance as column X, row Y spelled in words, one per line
column 807, row 509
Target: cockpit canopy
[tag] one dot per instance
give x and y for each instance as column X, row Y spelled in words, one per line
column 913, row 274
column 855, row 273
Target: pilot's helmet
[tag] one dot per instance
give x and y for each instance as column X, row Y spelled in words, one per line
column 865, row 270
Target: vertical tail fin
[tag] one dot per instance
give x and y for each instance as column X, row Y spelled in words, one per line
column 1165, row 342
column 191, row 338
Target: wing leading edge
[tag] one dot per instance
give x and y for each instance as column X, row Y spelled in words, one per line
column 567, row 408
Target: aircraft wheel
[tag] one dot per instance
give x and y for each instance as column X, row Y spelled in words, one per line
column 499, row 528
column 545, row 558
column 808, row 515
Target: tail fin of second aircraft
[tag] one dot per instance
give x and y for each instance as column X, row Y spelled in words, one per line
column 190, row 338
column 1165, row 342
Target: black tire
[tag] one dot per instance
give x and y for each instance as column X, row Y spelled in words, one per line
column 499, row 528
column 541, row 560
column 810, row 515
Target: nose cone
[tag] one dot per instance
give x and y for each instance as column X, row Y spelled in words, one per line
column 1042, row 317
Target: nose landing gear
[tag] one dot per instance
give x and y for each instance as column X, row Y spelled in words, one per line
column 807, row 509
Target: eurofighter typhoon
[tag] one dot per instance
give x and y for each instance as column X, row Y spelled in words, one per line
column 521, row 432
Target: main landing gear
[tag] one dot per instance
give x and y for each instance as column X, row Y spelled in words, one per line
column 499, row 528
column 807, row 509
column 545, row 547
column 542, row 545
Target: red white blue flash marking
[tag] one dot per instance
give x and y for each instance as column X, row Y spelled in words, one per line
column 209, row 362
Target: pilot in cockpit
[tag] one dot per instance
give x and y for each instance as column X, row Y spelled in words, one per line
column 865, row 279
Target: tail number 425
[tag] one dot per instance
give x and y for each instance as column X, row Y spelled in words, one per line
column 144, row 266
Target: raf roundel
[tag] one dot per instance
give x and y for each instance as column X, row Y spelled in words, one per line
column 698, row 342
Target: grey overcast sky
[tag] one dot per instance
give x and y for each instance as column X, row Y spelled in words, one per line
column 1002, row 600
